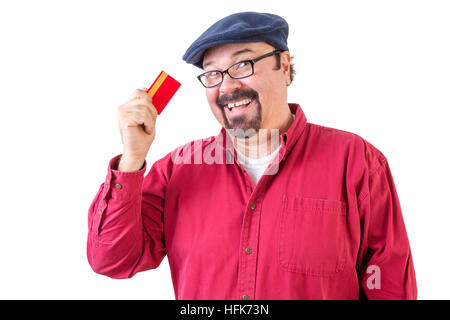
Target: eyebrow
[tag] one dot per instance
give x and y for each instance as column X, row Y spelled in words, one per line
column 233, row 55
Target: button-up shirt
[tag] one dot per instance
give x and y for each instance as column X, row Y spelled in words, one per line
column 323, row 222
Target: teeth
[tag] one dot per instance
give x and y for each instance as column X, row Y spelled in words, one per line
column 237, row 104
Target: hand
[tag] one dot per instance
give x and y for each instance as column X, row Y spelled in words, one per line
column 137, row 117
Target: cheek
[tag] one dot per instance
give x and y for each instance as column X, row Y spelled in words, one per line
column 262, row 88
column 211, row 96
column 218, row 115
column 272, row 92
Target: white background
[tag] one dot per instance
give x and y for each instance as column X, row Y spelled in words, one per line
column 379, row 69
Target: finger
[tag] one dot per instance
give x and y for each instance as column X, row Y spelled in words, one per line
column 152, row 110
column 140, row 98
column 135, row 106
column 138, row 103
column 139, row 94
column 144, row 104
column 145, row 121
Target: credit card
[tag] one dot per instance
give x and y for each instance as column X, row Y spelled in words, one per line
column 162, row 90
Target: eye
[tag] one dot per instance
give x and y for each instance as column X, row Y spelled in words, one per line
column 212, row 74
column 242, row 64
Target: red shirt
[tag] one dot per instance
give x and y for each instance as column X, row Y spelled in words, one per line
column 325, row 224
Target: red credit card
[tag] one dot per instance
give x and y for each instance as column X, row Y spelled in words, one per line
column 162, row 90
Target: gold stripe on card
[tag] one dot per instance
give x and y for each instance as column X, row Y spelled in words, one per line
column 158, row 83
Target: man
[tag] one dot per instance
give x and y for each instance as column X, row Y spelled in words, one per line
column 271, row 208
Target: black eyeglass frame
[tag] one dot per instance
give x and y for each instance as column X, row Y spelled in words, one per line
column 252, row 63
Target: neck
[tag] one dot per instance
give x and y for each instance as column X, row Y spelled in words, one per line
column 265, row 141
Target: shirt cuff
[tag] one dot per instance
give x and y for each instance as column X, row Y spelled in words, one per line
column 123, row 185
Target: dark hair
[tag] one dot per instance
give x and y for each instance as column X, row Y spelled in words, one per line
column 291, row 68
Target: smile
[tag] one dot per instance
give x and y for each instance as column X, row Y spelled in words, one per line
column 239, row 108
column 230, row 106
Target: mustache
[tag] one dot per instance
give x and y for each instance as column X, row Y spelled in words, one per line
column 241, row 94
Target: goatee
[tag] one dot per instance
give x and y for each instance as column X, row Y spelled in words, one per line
column 240, row 126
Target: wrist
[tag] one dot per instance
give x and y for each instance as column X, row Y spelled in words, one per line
column 129, row 164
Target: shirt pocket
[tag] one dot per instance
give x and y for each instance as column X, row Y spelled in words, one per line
column 312, row 236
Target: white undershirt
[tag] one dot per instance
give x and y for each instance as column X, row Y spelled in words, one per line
column 255, row 167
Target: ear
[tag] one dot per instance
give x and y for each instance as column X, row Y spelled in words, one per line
column 286, row 66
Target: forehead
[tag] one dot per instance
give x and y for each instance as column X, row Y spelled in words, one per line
column 225, row 53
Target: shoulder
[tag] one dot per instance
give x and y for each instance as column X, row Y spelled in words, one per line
column 349, row 144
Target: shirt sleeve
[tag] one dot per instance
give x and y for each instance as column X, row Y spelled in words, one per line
column 126, row 232
column 386, row 269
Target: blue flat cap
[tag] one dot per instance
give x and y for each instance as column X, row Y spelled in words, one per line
column 238, row 28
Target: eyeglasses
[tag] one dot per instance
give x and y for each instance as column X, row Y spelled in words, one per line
column 239, row 70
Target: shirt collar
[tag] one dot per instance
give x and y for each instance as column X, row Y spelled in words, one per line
column 289, row 138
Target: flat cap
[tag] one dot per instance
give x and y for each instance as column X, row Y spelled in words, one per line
column 239, row 28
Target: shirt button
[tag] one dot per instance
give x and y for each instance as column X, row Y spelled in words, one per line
column 118, row 186
column 248, row 250
column 245, row 297
column 99, row 211
column 253, row 206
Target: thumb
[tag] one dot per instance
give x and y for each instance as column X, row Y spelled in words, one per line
column 147, row 129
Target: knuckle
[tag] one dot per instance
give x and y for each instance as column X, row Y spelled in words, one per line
column 120, row 111
column 151, row 108
column 140, row 114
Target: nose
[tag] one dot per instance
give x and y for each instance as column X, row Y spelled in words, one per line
column 229, row 84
